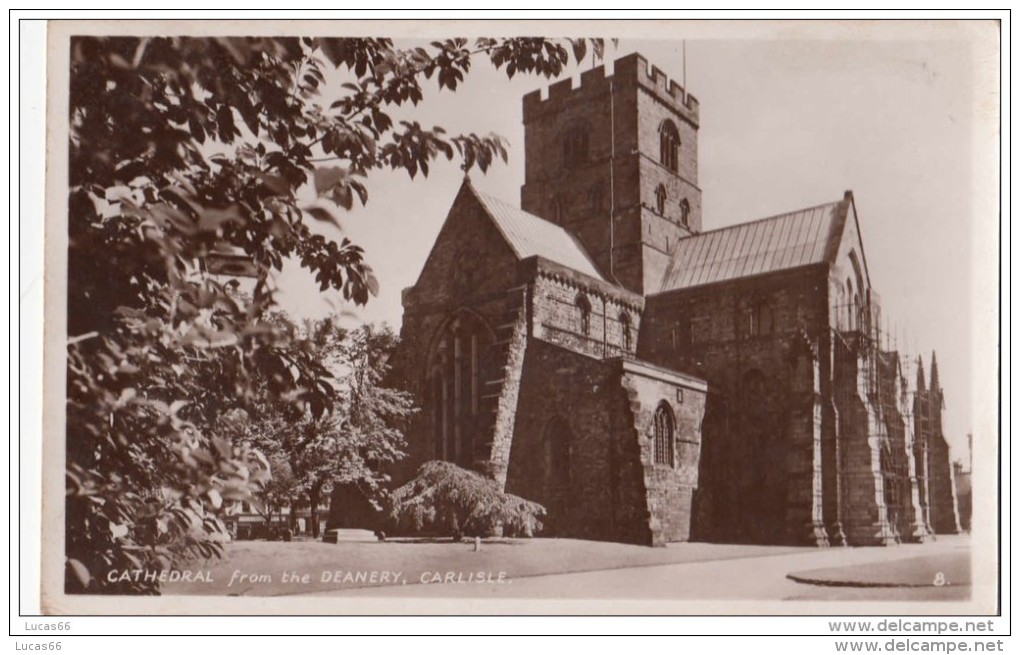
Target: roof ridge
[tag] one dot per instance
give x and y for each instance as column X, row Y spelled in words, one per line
column 773, row 243
column 494, row 204
column 762, row 220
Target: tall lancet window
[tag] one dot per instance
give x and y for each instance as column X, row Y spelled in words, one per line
column 669, row 146
column 625, row 332
column 584, row 311
column 685, row 212
column 664, row 430
column 457, row 377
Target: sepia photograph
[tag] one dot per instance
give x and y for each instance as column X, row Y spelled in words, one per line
column 522, row 317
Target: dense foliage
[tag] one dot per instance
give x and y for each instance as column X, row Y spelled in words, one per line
column 183, row 151
column 446, row 498
column 354, row 442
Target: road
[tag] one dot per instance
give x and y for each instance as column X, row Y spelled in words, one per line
column 756, row 577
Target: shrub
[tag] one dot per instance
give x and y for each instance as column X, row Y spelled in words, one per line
column 447, row 498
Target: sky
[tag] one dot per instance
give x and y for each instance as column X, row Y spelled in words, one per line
column 901, row 118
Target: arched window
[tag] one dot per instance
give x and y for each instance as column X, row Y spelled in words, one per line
column 764, row 325
column 669, row 145
column 660, row 199
column 556, row 210
column 748, row 322
column 756, row 319
column 457, row 371
column 685, row 212
column 850, row 309
column 625, row 331
column 575, row 146
column 682, row 335
column 556, row 446
column 584, row 309
column 664, row 429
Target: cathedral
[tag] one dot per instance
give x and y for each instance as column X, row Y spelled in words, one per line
column 596, row 350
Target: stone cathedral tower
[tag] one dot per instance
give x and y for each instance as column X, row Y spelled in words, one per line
column 615, row 161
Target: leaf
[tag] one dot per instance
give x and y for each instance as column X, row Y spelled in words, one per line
column 321, row 212
column 326, row 178
column 276, row 183
column 196, row 128
column 580, row 49
column 225, row 123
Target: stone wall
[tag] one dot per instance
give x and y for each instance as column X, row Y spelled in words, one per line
column 937, row 485
column 471, row 271
column 865, row 519
column 556, row 316
column 612, row 489
column 944, row 503
column 761, row 469
column 600, row 495
column 669, row 487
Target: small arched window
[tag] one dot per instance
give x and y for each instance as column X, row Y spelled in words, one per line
column 685, row 212
column 660, row 199
column 764, row 319
column 584, row 309
column 625, row 331
column 669, row 145
column 682, row 335
column 748, row 323
column 556, row 210
column 664, row 429
column 575, row 146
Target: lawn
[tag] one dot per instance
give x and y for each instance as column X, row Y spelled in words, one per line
column 260, row 568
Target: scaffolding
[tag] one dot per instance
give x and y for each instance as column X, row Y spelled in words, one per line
column 878, row 355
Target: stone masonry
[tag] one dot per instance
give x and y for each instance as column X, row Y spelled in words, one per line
column 649, row 381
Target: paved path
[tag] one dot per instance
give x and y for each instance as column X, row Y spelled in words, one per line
column 756, row 577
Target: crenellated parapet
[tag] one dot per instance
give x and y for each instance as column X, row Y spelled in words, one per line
column 630, row 71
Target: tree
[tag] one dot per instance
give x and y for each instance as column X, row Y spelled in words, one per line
column 183, row 151
column 362, row 433
column 445, row 497
column 277, row 492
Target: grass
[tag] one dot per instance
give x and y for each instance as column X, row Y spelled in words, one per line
column 257, row 568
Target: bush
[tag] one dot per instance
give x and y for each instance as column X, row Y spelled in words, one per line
column 449, row 499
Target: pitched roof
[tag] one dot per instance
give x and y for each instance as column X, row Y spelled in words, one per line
column 530, row 235
column 767, row 245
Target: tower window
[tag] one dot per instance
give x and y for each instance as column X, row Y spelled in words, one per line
column 685, row 212
column 584, row 308
column 664, row 428
column 669, row 145
column 660, row 199
column 575, row 147
column 556, row 210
